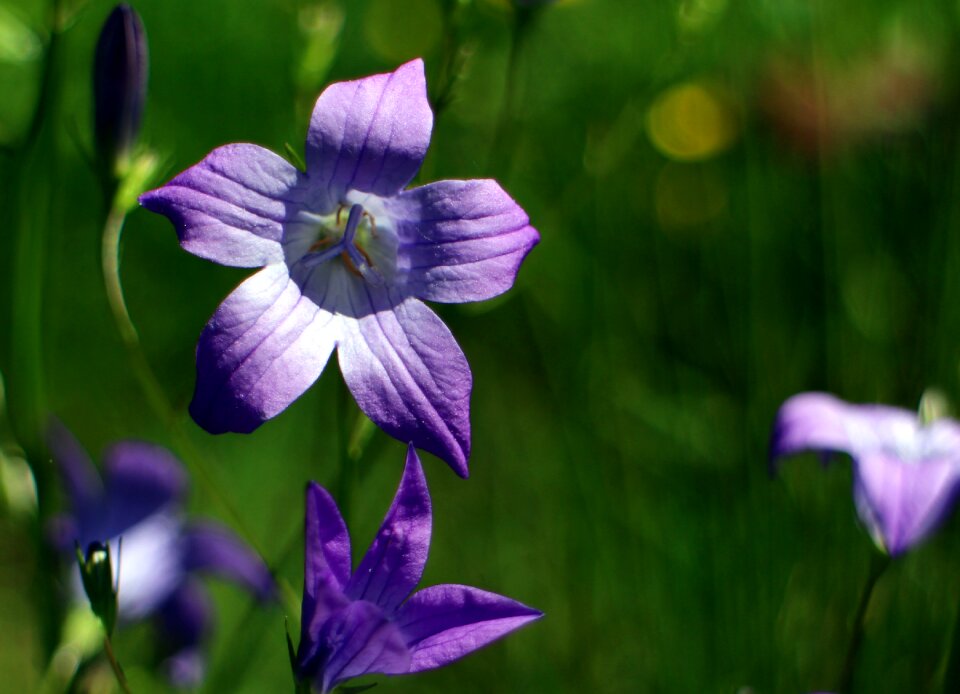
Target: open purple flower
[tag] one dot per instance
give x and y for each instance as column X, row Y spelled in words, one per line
column 347, row 257
column 366, row 621
column 138, row 499
column 906, row 473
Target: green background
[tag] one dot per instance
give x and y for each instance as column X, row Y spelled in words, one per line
column 624, row 389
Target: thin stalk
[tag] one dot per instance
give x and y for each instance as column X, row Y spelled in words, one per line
column 449, row 69
column 35, row 175
column 878, row 564
column 156, row 397
column 115, row 665
column 523, row 19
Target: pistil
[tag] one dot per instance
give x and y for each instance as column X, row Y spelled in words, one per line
column 355, row 258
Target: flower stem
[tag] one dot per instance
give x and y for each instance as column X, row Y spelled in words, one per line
column 523, row 19
column 115, row 665
column 878, row 564
column 156, row 398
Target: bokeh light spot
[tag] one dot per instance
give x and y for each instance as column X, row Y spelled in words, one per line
column 18, row 43
column 691, row 122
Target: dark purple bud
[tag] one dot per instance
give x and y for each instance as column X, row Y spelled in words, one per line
column 119, row 85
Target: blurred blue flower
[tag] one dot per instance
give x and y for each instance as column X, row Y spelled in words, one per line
column 906, row 473
column 161, row 555
column 367, row 621
column 119, row 86
column 349, row 255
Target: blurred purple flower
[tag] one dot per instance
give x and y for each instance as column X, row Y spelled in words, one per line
column 366, row 621
column 906, row 474
column 119, row 85
column 138, row 499
column 348, row 256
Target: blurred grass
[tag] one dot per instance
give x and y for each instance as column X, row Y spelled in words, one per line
column 625, row 387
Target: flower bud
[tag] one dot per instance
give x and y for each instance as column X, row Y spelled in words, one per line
column 96, row 572
column 119, row 87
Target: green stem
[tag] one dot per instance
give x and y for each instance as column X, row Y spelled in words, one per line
column 521, row 28
column 156, row 398
column 878, row 564
column 35, row 178
column 115, row 666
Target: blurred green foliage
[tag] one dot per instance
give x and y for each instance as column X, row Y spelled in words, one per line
column 737, row 201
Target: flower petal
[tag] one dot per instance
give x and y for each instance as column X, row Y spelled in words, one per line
column 408, row 374
column 147, row 564
column 184, row 621
column 393, row 565
column 231, row 207
column 446, row 622
column 264, row 346
column 214, row 548
column 900, row 502
column 370, row 134
column 359, row 640
column 326, row 561
column 80, row 477
column 460, row 240
column 140, row 479
column 811, row 422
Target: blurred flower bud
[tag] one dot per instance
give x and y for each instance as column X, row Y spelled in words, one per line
column 96, row 571
column 119, row 87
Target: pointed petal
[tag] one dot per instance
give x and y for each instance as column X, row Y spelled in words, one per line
column 231, row 207
column 80, row 477
column 370, row 134
column 408, row 374
column 393, row 565
column 184, row 621
column 216, row 549
column 264, row 346
column 461, row 240
column 446, row 622
column 326, row 561
column 359, row 640
column 901, row 502
column 810, row 422
column 140, row 479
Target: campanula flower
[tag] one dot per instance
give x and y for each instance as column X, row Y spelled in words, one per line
column 906, row 472
column 157, row 555
column 366, row 621
column 119, row 86
column 348, row 256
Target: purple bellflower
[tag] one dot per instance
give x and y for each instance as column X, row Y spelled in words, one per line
column 906, row 473
column 367, row 621
column 348, row 256
column 158, row 562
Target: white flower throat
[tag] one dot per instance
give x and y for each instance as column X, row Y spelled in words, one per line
column 349, row 234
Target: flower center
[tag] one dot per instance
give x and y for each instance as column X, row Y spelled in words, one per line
column 345, row 235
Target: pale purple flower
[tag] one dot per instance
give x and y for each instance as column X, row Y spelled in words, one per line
column 347, row 257
column 161, row 555
column 906, row 473
column 366, row 621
